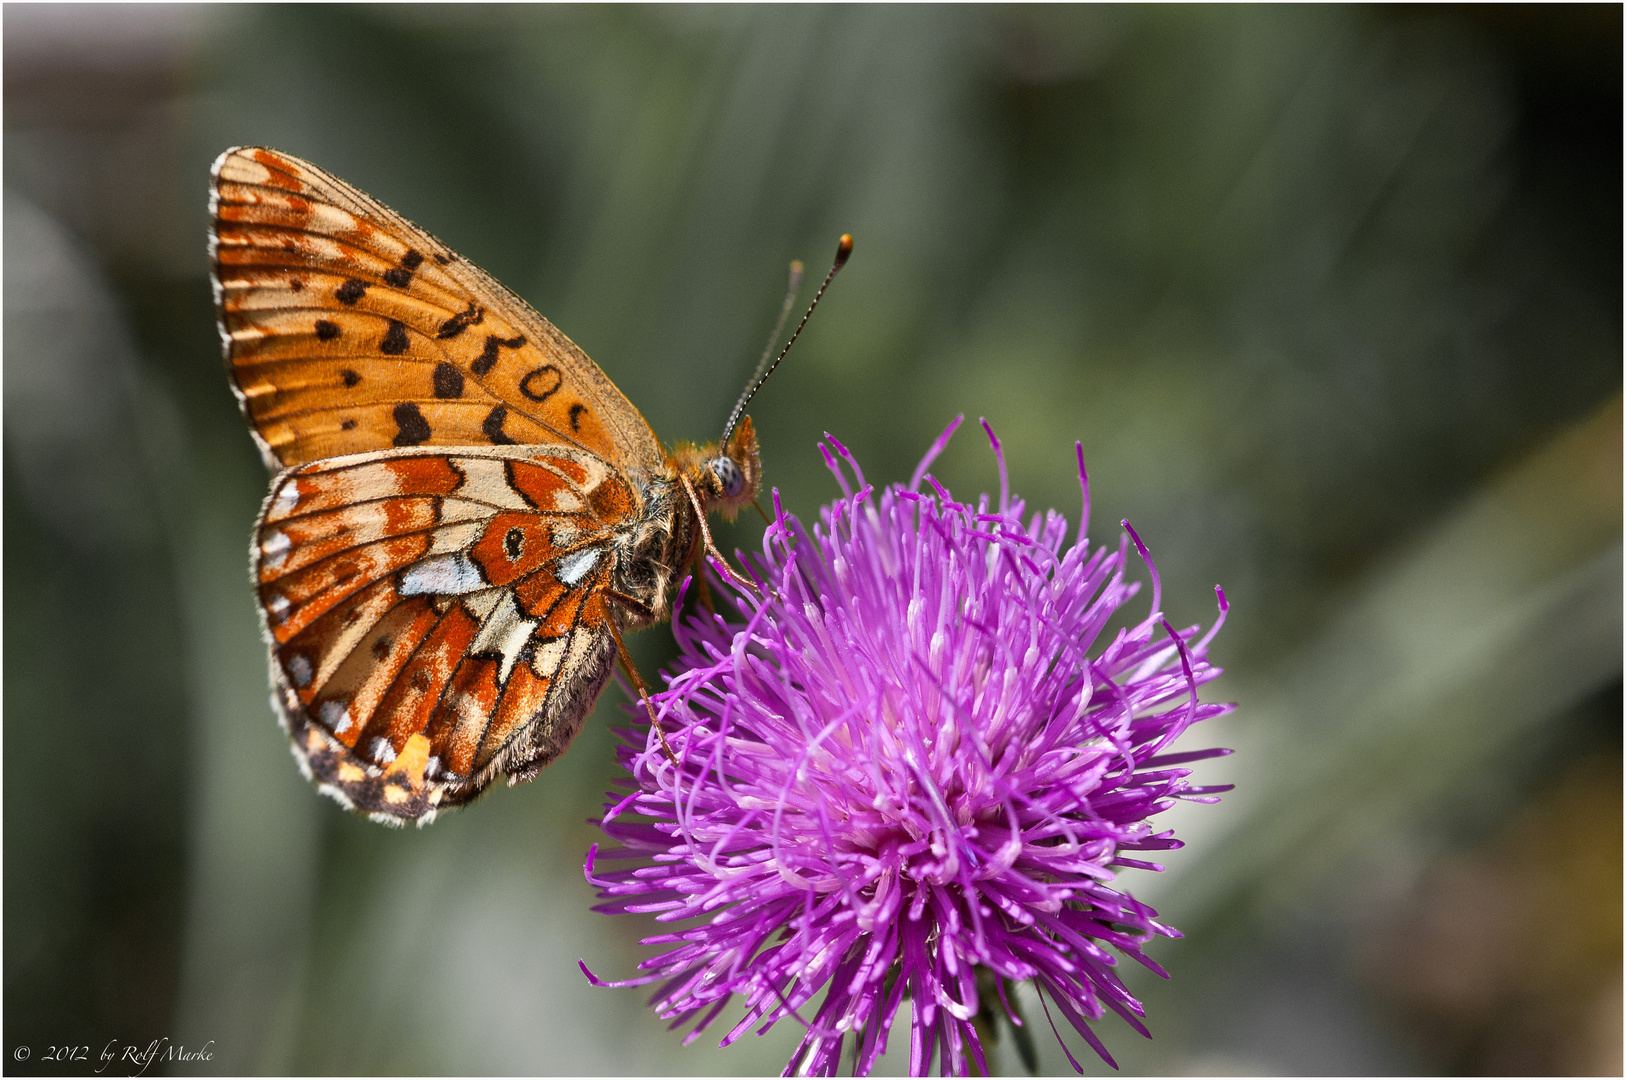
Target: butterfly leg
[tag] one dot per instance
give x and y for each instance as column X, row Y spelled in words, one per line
column 632, row 673
column 711, row 549
column 702, row 589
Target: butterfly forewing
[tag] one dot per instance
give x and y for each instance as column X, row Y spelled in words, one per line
column 438, row 618
column 350, row 329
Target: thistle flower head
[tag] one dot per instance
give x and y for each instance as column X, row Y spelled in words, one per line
column 912, row 768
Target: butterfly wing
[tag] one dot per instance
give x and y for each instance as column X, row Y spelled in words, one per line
column 348, row 329
column 438, row 619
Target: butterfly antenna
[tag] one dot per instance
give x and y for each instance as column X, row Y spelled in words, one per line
column 791, row 289
column 843, row 249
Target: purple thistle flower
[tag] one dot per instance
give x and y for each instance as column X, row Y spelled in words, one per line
column 906, row 775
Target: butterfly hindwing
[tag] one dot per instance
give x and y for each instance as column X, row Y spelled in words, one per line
column 438, row 618
column 349, row 329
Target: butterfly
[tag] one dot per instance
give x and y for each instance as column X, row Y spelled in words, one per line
column 465, row 515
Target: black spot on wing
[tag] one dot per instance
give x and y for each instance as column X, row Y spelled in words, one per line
column 493, row 426
column 350, row 377
column 411, row 427
column 488, row 356
column 395, row 339
column 576, row 411
column 351, row 291
column 542, row 383
column 462, row 321
column 401, row 276
column 348, row 425
column 448, row 381
column 326, row 331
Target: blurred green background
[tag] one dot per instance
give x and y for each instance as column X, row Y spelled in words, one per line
column 1331, row 297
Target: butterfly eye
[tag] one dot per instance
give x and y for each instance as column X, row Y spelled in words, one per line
column 728, row 475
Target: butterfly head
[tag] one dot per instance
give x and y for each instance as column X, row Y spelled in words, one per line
column 726, row 477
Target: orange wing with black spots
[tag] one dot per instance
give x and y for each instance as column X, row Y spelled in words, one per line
column 436, row 618
column 349, row 329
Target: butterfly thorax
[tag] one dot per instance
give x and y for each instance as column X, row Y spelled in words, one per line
column 651, row 553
